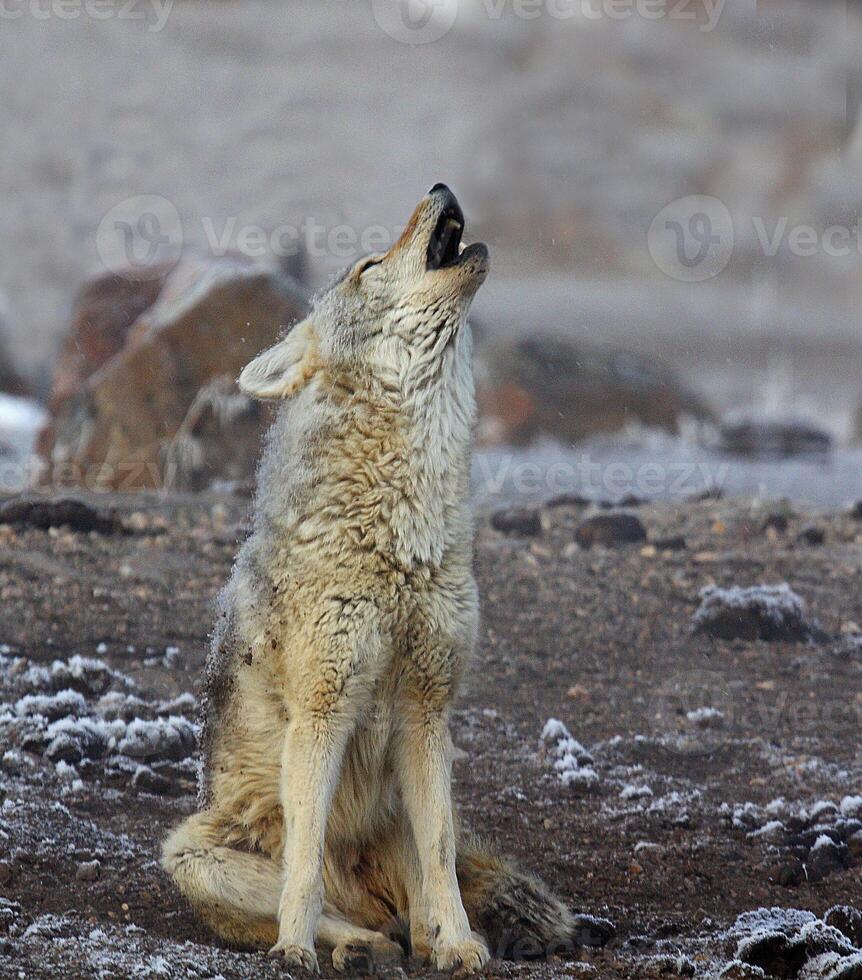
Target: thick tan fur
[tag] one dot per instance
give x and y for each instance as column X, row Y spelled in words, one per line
column 342, row 637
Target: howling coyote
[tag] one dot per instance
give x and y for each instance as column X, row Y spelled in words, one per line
column 342, row 637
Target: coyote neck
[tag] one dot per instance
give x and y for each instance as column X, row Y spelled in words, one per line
column 398, row 472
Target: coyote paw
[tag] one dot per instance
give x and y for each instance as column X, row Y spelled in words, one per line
column 361, row 956
column 465, row 956
column 295, row 955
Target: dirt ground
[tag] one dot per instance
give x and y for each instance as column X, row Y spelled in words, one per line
column 671, row 820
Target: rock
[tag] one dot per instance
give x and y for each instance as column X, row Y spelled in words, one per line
column 674, row 543
column 567, row 500
column 789, row 873
column 148, row 781
column 856, row 511
column 772, row 438
column 812, row 535
column 825, row 857
column 832, row 966
column 591, row 930
column 847, row 920
column 774, row 952
column 104, row 313
column 737, row 970
column 165, row 738
column 6, row 873
column 9, row 914
column 610, row 530
column 550, row 385
column 78, row 742
column 777, row 522
column 59, row 512
column 524, row 521
column 51, row 707
column 127, row 425
column 629, row 500
column 669, row 965
column 83, row 674
column 762, row 612
column 88, row 871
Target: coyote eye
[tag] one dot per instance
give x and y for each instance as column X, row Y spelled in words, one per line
column 367, row 264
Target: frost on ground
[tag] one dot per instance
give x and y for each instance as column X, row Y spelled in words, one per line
column 760, row 612
column 795, row 943
column 706, row 717
column 807, row 842
column 569, row 759
column 642, row 839
column 95, row 720
column 64, row 945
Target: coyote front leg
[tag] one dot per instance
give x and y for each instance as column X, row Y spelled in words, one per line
column 423, row 757
column 337, row 674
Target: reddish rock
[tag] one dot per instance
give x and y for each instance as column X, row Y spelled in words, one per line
column 105, row 310
column 550, row 385
column 209, row 319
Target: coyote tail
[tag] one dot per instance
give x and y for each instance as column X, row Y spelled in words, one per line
column 516, row 912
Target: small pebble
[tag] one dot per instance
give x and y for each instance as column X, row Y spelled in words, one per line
column 88, row 871
column 674, row 543
column 610, row 530
column 777, row 522
column 524, row 521
column 812, row 535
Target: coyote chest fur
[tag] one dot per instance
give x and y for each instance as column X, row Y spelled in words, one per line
column 343, row 634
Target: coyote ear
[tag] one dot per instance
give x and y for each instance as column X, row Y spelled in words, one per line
column 285, row 368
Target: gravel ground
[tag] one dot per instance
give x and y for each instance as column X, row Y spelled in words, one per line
column 699, row 782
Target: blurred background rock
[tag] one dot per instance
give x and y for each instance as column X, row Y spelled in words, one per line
column 262, row 123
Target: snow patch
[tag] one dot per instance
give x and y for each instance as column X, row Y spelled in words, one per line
column 570, row 760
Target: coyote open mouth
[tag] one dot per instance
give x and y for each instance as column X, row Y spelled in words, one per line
column 445, row 249
column 444, row 246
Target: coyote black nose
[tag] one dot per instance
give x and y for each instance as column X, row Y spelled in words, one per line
column 447, row 200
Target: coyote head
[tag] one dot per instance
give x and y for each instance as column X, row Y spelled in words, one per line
column 394, row 317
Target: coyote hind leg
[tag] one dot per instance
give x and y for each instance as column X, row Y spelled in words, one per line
column 237, row 895
column 234, row 892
